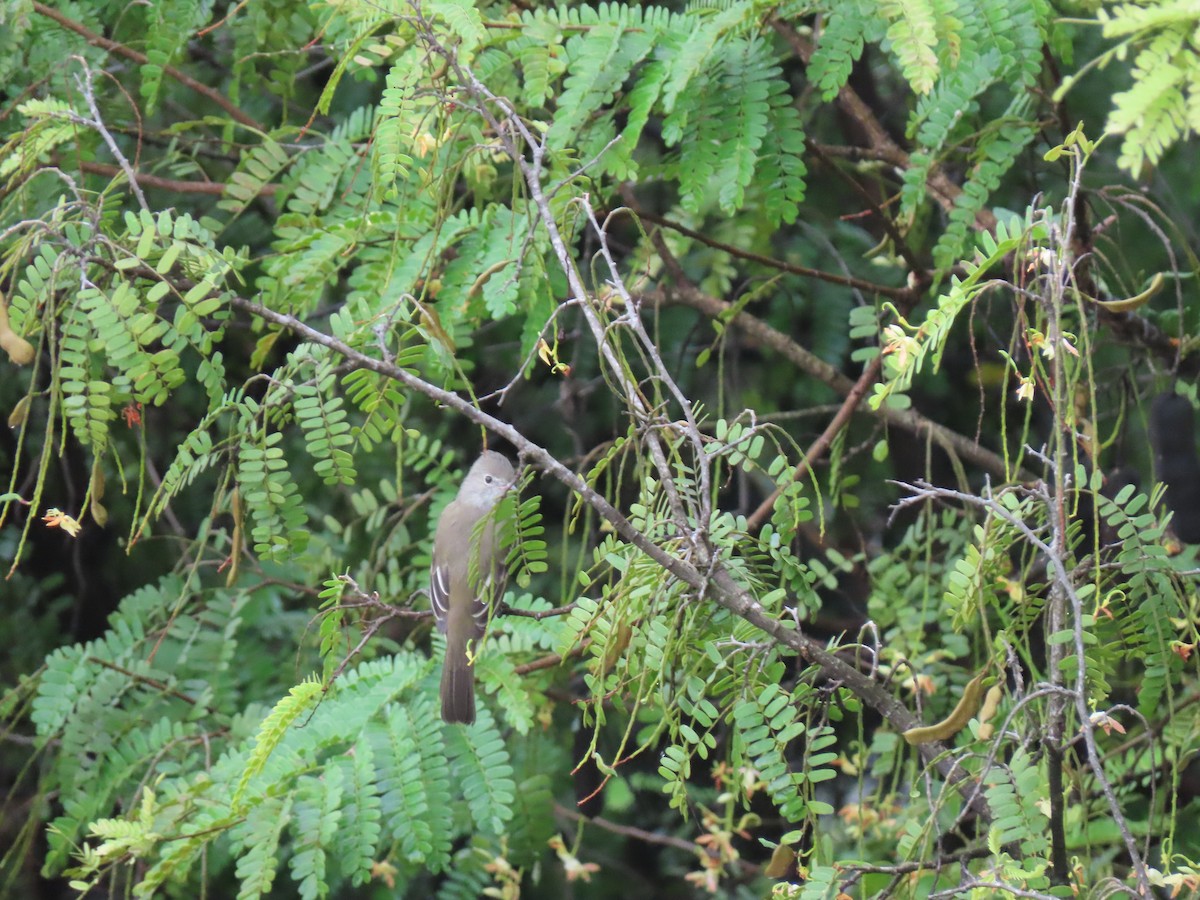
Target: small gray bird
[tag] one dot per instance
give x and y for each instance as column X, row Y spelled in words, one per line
column 467, row 576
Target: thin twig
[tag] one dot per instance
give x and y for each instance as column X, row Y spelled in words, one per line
column 649, row 837
column 901, row 294
column 923, row 490
column 552, row 660
column 819, row 447
column 97, row 123
column 173, row 185
column 146, row 679
column 536, row 614
column 762, row 334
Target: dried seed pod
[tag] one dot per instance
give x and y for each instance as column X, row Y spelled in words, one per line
column 20, row 413
column 98, row 510
column 991, row 703
column 19, row 350
column 968, row 705
column 781, row 862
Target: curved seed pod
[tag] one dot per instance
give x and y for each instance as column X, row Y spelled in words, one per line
column 618, row 644
column 19, row 350
column 968, row 705
column 1131, row 303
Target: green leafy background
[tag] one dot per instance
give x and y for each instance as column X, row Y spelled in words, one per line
column 191, row 707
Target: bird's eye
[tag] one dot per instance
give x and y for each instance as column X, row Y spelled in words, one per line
column 487, row 478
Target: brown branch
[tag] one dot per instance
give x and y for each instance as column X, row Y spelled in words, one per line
column 360, row 599
column 550, row 660
column 900, row 294
column 893, row 155
column 650, row 837
column 536, row 614
column 368, row 632
column 168, row 184
column 941, row 187
column 821, row 444
column 763, row 335
column 129, row 53
column 146, row 679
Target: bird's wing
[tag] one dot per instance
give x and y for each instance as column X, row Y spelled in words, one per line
column 481, row 609
column 439, row 594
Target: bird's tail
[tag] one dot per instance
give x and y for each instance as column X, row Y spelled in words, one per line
column 458, row 686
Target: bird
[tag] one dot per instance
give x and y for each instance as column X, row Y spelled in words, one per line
column 466, row 575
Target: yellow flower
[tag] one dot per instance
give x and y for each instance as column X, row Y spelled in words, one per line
column 572, row 867
column 56, row 518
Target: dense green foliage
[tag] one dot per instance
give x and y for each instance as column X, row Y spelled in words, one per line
column 737, row 278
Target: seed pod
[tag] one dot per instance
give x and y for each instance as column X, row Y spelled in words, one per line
column 781, row 861
column 967, row 706
column 618, row 644
column 98, row 510
column 991, row 703
column 19, row 350
column 20, row 413
column 237, row 542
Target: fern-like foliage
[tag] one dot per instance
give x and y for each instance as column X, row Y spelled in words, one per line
column 685, row 70
column 325, row 427
column 912, row 33
column 986, row 43
column 294, row 791
column 840, row 46
column 260, row 165
column 976, row 580
column 1163, row 105
column 1145, row 638
column 766, row 726
column 318, row 816
column 50, row 126
column 414, row 789
column 271, row 495
column 1014, row 797
column 362, row 815
column 995, row 154
column 167, row 27
column 396, row 125
column 272, row 731
column 599, row 61
column 95, row 699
